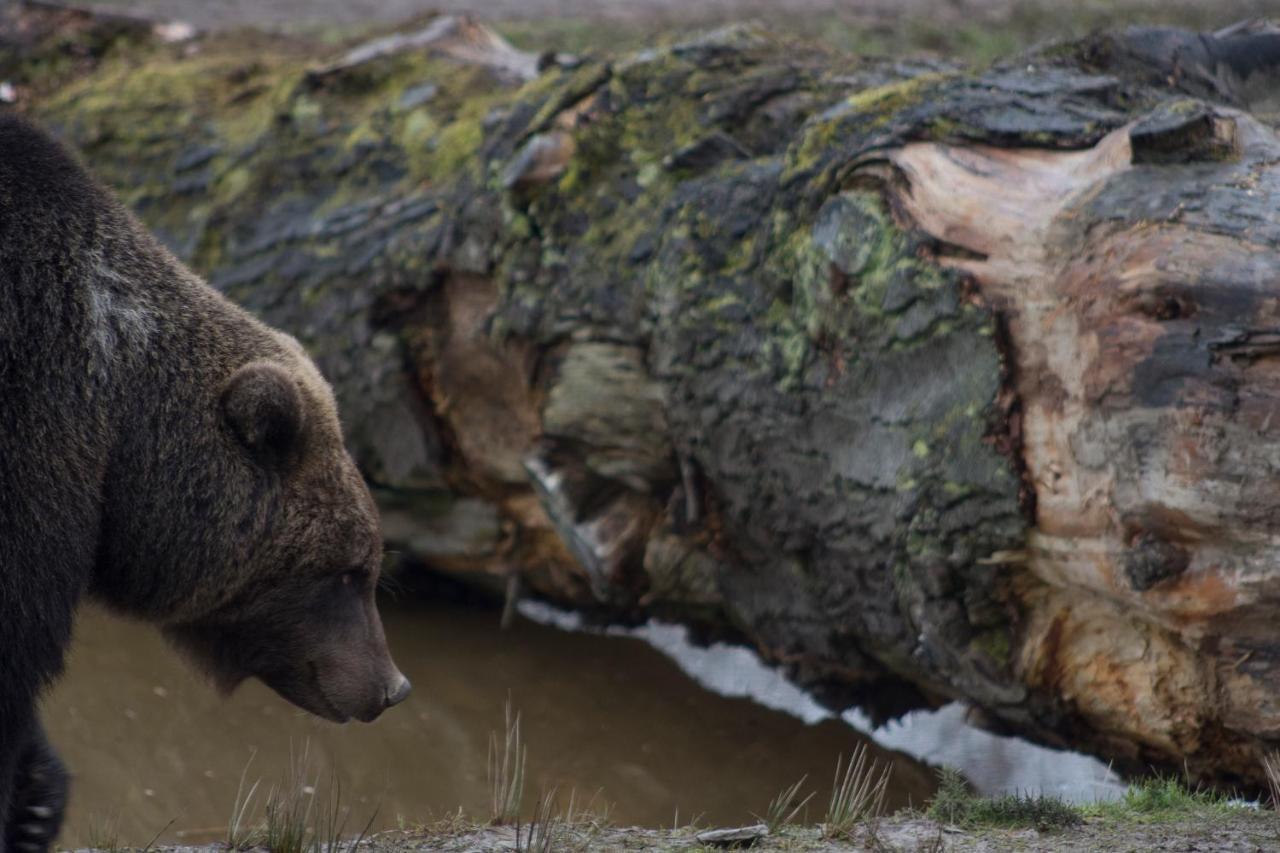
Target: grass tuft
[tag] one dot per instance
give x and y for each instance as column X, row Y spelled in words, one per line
column 1271, row 767
column 857, row 795
column 1160, row 798
column 956, row 804
column 287, row 815
column 1165, row 795
column 953, row 799
column 241, row 834
column 297, row 817
column 506, row 771
column 331, row 822
column 544, row 828
column 452, row 824
column 104, row 834
column 593, row 816
column 1152, row 800
column 786, row 807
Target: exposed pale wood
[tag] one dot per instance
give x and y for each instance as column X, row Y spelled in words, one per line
column 459, row 37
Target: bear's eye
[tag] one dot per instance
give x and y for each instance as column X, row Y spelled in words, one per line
column 355, row 578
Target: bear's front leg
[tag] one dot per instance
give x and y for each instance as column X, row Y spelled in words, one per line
column 39, row 798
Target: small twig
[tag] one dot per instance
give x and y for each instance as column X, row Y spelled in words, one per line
column 512, row 599
column 156, row 837
column 689, row 480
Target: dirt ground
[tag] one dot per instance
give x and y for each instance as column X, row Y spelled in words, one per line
column 1246, row 832
column 1243, row 834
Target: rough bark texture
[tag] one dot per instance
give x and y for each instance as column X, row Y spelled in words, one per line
column 931, row 383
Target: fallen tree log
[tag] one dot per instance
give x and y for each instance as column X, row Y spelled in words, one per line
column 931, row 383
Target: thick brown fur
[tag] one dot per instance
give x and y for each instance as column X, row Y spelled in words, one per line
column 167, row 454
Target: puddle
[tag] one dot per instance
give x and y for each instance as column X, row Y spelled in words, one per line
column 614, row 717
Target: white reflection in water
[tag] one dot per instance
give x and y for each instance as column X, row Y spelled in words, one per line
column 993, row 763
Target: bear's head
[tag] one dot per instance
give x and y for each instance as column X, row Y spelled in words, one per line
column 241, row 525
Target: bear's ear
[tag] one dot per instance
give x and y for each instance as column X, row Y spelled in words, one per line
column 264, row 407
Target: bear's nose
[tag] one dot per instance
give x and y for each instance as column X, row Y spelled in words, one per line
column 399, row 691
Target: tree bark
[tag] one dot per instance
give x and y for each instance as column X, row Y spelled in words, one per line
column 931, row 383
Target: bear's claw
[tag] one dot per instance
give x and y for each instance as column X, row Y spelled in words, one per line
column 39, row 800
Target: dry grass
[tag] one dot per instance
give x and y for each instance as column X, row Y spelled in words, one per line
column 287, row 815
column 506, row 770
column 857, row 796
column 299, row 815
column 329, row 831
column 595, row 814
column 241, row 835
column 452, row 823
column 104, row 834
column 786, row 807
column 1271, row 767
column 151, row 845
column 544, row 830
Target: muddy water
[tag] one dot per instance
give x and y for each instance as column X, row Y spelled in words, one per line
column 150, row 743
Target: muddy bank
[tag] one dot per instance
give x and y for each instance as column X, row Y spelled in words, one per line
column 1156, row 814
column 1242, row 833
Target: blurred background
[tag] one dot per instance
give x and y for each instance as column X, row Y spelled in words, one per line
column 972, row 29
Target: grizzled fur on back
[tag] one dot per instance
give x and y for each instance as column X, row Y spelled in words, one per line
column 167, row 454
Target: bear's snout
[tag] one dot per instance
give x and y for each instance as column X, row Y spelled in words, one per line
column 344, row 691
column 359, row 680
column 398, row 691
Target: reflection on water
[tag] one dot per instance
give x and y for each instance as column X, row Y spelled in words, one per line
column 994, row 764
column 150, row 743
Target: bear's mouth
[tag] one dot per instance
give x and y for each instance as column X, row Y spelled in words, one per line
column 330, row 711
column 303, row 690
column 325, row 707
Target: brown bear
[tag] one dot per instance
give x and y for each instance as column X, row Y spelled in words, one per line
column 165, row 453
